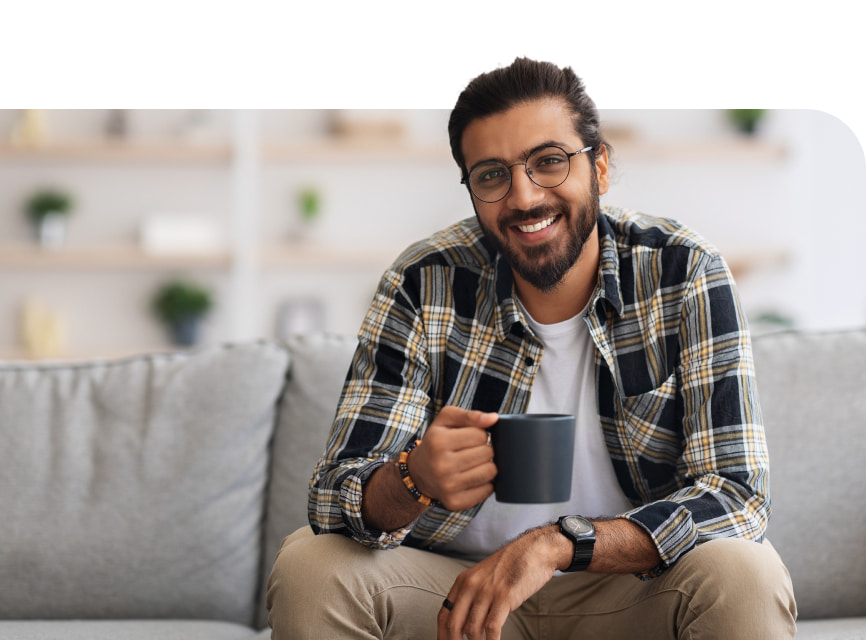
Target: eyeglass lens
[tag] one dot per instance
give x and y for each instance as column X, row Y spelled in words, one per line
column 547, row 167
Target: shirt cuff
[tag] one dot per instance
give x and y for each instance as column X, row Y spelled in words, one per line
column 351, row 500
column 671, row 527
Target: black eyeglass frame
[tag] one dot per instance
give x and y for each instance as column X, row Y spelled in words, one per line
column 465, row 179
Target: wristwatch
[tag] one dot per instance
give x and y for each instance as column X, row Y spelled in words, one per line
column 582, row 533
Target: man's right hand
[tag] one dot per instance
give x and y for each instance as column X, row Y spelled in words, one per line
column 453, row 463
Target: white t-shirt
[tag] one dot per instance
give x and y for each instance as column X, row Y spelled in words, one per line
column 564, row 383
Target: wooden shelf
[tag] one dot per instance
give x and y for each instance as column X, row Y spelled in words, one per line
column 310, row 255
column 104, row 258
column 274, row 256
column 721, row 150
column 743, row 261
column 710, row 150
column 32, row 257
column 361, row 150
column 112, row 151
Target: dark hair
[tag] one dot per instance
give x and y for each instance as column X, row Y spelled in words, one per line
column 523, row 80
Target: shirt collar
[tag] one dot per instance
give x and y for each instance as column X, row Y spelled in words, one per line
column 507, row 312
column 609, row 287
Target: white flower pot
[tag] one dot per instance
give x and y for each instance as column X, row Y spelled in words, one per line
column 51, row 230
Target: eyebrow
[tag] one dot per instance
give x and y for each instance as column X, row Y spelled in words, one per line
column 526, row 154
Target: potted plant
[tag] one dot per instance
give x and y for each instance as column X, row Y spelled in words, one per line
column 746, row 120
column 181, row 305
column 309, row 206
column 48, row 210
column 309, row 203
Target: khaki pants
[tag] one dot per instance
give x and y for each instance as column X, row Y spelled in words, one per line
column 331, row 587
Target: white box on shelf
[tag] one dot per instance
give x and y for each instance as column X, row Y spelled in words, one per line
column 300, row 315
column 163, row 233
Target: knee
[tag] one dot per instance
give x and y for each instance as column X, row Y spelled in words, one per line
column 310, row 582
column 306, row 561
column 745, row 580
column 739, row 568
column 294, row 552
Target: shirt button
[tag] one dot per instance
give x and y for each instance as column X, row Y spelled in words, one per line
column 529, row 361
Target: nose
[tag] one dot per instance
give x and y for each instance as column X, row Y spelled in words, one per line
column 524, row 193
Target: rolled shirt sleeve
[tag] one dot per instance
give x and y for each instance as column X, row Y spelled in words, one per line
column 724, row 464
column 383, row 406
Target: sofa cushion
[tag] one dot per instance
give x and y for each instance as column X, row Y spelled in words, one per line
column 813, row 397
column 124, row 630
column 135, row 488
column 835, row 629
column 319, row 364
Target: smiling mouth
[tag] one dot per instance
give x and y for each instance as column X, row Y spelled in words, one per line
column 538, row 226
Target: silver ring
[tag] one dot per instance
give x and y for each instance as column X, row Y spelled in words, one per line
column 489, row 439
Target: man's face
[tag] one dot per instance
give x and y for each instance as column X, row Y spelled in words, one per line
column 541, row 232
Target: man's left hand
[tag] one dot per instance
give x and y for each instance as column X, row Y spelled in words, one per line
column 485, row 594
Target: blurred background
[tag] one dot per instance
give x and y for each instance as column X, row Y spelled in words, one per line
column 130, row 230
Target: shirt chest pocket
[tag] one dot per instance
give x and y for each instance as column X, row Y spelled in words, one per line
column 653, row 413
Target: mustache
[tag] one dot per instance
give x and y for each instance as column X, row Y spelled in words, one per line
column 522, row 216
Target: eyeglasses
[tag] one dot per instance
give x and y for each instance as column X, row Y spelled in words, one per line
column 547, row 167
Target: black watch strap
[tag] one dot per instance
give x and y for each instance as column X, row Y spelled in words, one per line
column 581, row 532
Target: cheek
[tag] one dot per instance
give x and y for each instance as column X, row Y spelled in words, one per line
column 578, row 195
column 487, row 213
column 570, row 198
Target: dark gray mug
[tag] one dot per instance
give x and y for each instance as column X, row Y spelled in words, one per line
column 534, row 455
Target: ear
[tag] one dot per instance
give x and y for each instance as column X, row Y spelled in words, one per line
column 602, row 170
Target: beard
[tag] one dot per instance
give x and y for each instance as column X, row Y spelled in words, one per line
column 545, row 265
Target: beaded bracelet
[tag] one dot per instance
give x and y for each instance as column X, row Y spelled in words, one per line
column 403, row 464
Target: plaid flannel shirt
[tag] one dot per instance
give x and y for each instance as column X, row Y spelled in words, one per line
column 675, row 380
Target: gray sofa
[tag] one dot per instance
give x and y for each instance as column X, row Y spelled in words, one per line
column 146, row 497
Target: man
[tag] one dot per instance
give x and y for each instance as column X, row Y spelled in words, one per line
column 542, row 303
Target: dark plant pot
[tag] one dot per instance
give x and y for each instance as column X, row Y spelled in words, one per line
column 749, row 128
column 185, row 332
column 746, row 121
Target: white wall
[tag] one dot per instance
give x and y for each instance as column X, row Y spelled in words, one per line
column 810, row 204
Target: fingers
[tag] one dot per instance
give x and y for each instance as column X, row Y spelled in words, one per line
column 463, row 489
column 468, row 618
column 455, row 417
column 455, row 429
column 472, row 457
column 470, row 604
column 485, row 594
column 453, row 462
column 467, row 498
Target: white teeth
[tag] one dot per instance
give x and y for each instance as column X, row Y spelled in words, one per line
column 532, row 228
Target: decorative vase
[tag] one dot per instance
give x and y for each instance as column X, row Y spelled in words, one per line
column 51, row 230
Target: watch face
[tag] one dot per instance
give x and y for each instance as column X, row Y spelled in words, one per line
column 580, row 526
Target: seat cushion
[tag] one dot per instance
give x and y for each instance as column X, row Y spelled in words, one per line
column 135, row 488
column 833, row 629
column 124, row 630
column 319, row 363
column 811, row 386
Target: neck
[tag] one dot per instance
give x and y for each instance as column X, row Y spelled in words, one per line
column 571, row 295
